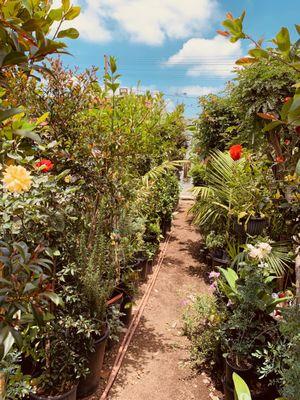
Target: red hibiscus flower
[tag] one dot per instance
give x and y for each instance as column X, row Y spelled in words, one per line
column 236, row 152
column 46, row 164
column 279, row 159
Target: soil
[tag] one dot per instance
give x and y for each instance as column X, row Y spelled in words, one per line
column 157, row 366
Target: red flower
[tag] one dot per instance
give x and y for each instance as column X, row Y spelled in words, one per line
column 236, row 152
column 287, row 141
column 287, row 99
column 297, row 129
column 279, row 159
column 47, row 165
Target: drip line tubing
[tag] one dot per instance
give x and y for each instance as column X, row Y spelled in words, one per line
column 135, row 321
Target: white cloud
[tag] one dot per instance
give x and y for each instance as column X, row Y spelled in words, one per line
column 170, row 105
column 145, row 21
column 194, row 90
column 200, row 56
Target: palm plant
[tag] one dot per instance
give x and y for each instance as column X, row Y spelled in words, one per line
column 235, row 190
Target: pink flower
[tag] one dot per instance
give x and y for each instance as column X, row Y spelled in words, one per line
column 214, row 275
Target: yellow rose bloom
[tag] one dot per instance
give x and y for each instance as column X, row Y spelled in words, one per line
column 16, row 179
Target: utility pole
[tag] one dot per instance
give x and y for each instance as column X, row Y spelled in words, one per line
column 105, row 69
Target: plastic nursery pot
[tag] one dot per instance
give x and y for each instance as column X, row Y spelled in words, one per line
column 219, row 261
column 266, row 393
column 140, row 265
column 150, row 264
column 255, row 226
column 89, row 384
column 70, row 395
column 126, row 309
column 243, row 372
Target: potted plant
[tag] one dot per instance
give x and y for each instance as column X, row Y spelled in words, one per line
column 198, row 173
column 215, row 243
column 60, row 364
column 249, row 323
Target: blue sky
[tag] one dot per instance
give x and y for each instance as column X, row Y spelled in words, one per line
column 172, row 45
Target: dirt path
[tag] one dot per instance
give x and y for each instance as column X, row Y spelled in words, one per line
column 156, row 366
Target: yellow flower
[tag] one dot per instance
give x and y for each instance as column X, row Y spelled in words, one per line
column 16, row 179
column 68, row 179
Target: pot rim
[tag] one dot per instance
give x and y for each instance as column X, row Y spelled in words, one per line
column 236, row 367
column 58, row 397
column 104, row 336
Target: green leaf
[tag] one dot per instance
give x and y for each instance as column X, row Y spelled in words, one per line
column 65, row 5
column 42, row 118
column 71, row 33
column 5, row 114
column 231, row 277
column 56, row 14
column 298, row 168
column 258, row 53
column 113, row 65
column 283, row 40
column 14, row 58
column 241, row 388
column 272, row 125
column 53, row 297
column 297, row 28
column 28, row 134
column 72, row 13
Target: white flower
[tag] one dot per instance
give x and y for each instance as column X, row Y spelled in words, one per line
column 265, row 247
column 260, row 251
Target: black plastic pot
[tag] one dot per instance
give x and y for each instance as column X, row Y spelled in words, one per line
column 70, row 395
column 89, row 384
column 255, row 226
column 126, row 309
column 140, row 266
column 268, row 393
column 219, row 261
column 228, row 384
column 150, row 267
column 166, row 226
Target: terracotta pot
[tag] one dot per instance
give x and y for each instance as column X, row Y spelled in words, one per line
column 70, row 395
column 89, row 384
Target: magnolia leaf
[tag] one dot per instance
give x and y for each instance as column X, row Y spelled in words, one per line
column 72, row 13
column 65, row 5
column 56, row 14
column 223, row 33
column 70, row 33
column 258, row 53
column 246, row 60
column 283, row 40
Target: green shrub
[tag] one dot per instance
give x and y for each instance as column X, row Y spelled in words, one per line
column 202, row 319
